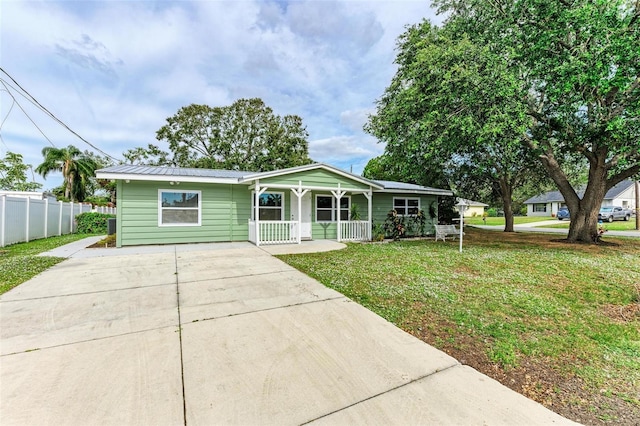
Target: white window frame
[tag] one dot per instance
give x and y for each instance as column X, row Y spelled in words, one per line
column 334, row 208
column 187, row 191
column 406, row 204
column 536, row 205
column 253, row 204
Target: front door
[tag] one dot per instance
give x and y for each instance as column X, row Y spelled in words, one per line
column 306, row 214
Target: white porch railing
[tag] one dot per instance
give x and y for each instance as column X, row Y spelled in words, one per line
column 355, row 230
column 273, row 232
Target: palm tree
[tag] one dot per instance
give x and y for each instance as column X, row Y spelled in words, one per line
column 76, row 168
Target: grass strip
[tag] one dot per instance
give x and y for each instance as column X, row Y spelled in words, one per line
column 19, row 262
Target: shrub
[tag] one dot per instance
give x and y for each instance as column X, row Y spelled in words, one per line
column 492, row 212
column 377, row 232
column 394, row 225
column 418, row 222
column 93, row 223
column 354, row 213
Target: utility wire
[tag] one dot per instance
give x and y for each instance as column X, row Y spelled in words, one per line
column 10, row 108
column 5, row 118
column 25, row 113
column 50, row 114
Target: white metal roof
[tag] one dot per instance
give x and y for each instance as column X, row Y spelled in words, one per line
column 165, row 174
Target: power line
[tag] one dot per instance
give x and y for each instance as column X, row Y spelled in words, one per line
column 15, row 101
column 50, row 114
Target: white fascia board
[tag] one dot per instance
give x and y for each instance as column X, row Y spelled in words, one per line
column 265, row 175
column 164, row 178
column 412, row 191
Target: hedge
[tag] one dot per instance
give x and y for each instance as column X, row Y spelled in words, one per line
column 93, row 222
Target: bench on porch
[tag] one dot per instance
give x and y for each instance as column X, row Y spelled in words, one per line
column 442, row 231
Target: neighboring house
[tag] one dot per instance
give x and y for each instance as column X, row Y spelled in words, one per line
column 547, row 204
column 474, row 208
column 165, row 205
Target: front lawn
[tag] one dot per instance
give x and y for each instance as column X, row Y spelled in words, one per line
column 557, row 322
column 19, row 263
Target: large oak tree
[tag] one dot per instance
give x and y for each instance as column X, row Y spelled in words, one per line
column 453, row 105
column 572, row 70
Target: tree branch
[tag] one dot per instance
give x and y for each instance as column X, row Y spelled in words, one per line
column 623, row 175
column 626, row 95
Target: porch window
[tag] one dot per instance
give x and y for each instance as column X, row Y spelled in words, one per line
column 271, row 205
column 179, row 208
column 326, row 208
column 406, row 206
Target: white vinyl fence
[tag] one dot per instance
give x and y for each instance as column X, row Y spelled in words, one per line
column 26, row 219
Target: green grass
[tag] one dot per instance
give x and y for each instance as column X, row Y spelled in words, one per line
column 499, row 221
column 19, row 263
column 521, row 299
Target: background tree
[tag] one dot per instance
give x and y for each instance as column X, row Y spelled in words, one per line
column 77, row 169
column 246, row 135
column 13, row 174
column 99, row 191
column 150, row 156
column 453, row 106
column 578, row 64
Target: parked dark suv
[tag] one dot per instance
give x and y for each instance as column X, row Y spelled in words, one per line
column 563, row 213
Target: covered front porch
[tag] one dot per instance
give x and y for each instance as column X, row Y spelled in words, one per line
column 325, row 209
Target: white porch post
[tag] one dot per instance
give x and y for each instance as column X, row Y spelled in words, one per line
column 299, row 193
column 338, row 194
column 256, row 214
column 369, row 196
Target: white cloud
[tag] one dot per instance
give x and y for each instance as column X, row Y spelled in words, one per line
column 356, row 119
column 343, row 148
column 114, row 71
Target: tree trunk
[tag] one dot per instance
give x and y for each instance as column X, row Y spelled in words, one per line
column 584, row 223
column 68, row 192
column 584, row 212
column 506, row 192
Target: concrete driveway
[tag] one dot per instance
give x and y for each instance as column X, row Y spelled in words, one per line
column 222, row 334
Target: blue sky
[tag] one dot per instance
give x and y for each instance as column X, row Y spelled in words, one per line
column 114, row 71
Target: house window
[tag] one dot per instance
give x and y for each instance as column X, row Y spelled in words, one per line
column 540, row 208
column 406, row 206
column 179, row 208
column 271, row 206
column 326, row 208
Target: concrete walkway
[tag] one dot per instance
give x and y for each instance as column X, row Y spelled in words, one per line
column 540, row 227
column 222, row 334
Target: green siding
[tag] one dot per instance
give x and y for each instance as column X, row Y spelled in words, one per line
column 317, row 177
column 383, row 203
column 225, row 210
